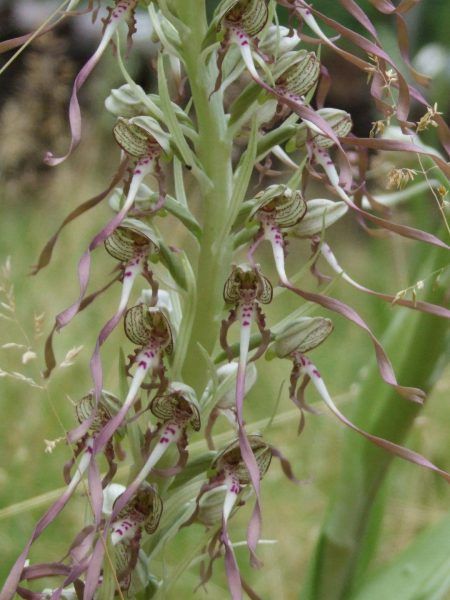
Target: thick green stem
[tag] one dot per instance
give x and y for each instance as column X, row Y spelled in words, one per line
column 214, row 152
column 348, row 538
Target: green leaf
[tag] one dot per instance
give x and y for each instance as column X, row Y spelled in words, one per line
column 421, row 572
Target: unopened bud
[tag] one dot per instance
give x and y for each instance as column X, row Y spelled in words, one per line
column 321, row 214
column 278, row 40
column 124, row 102
column 301, row 335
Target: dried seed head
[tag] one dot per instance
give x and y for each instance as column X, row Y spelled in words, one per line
column 179, row 405
column 301, row 335
column 249, row 15
column 144, row 324
column 145, row 508
column 339, row 120
column 298, row 72
column 108, row 405
column 321, row 214
column 285, row 206
column 247, row 284
column 230, row 459
column 132, row 238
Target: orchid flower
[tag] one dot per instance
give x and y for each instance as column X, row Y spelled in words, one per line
column 142, row 512
column 143, row 139
column 100, row 415
column 229, row 480
column 177, row 409
column 242, row 21
column 318, row 144
column 149, row 328
column 277, row 208
column 293, row 343
column 133, row 244
column 247, row 288
column 122, row 11
column 296, row 74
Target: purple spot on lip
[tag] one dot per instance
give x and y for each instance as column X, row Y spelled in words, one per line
column 316, row 373
column 119, row 531
column 137, row 172
column 244, row 43
column 142, row 364
column 245, row 323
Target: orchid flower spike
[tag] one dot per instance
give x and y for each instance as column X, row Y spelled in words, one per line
column 122, row 11
column 277, row 208
column 242, row 20
column 142, row 512
column 177, row 409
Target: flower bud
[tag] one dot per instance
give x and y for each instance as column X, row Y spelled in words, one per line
column 230, row 459
column 339, row 120
column 247, row 283
column 249, row 15
column 278, row 40
column 285, row 206
column 143, row 324
column 124, row 102
column 133, row 237
column 321, row 214
column 301, row 335
column 179, row 405
column 297, row 72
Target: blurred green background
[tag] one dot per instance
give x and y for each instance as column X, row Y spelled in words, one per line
column 35, row 199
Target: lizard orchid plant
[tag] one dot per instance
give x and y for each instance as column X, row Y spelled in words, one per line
column 232, row 91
